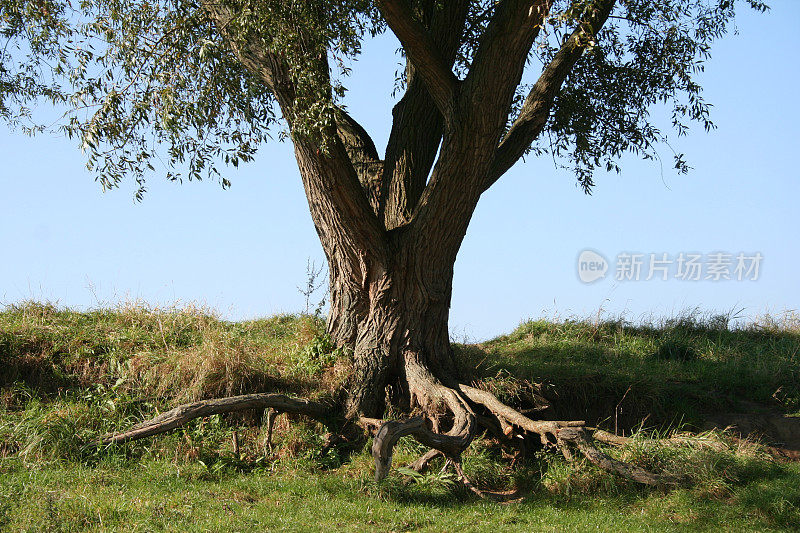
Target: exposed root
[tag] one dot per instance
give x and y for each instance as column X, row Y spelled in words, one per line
column 182, row 414
column 390, row 432
column 504, row 496
column 565, row 434
column 271, row 416
column 235, row 442
column 509, row 415
column 330, row 441
column 447, row 423
column 776, row 452
column 578, row 438
column 465, row 480
column 421, row 464
column 694, row 441
column 430, row 395
column 370, row 425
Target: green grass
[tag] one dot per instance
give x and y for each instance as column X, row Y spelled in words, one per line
column 68, row 376
column 162, row 496
column 672, row 371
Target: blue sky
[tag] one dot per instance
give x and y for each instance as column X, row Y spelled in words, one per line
column 243, row 251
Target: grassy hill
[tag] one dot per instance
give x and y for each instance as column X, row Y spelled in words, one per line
column 66, row 377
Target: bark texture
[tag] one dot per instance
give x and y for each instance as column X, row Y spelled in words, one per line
column 391, row 228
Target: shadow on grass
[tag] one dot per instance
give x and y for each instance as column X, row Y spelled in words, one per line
column 618, row 376
column 749, row 491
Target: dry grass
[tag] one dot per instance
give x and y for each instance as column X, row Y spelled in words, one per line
column 77, row 375
column 178, row 353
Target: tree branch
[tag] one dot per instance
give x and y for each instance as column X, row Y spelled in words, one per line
column 422, row 52
column 501, row 56
column 417, row 124
column 471, row 138
column 355, row 138
column 363, row 155
column 536, row 109
column 340, row 207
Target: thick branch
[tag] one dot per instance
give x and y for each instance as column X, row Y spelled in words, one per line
column 536, row 109
column 182, row 414
column 500, row 59
column 471, row 138
column 355, row 138
column 422, row 52
column 339, row 206
column 417, row 124
column 416, row 132
column 363, row 155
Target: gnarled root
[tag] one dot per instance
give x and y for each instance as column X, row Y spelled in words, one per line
column 421, row 464
column 577, row 437
column 447, row 425
column 430, row 395
column 174, row 418
column 566, row 435
column 505, row 496
column 507, row 415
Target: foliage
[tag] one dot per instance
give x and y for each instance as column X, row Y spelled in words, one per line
column 318, row 354
column 648, row 53
column 157, row 86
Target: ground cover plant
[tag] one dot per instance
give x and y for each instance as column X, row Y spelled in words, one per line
column 70, row 377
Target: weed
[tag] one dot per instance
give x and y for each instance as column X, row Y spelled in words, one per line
column 316, row 355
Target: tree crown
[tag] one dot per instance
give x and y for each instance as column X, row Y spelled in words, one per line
column 189, row 85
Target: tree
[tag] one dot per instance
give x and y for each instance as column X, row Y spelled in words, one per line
column 198, row 83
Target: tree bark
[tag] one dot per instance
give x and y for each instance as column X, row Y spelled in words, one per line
column 391, row 229
column 392, row 312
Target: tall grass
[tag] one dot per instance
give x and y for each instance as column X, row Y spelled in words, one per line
column 681, row 365
column 69, row 376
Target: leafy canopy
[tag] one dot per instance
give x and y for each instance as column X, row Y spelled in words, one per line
column 155, row 85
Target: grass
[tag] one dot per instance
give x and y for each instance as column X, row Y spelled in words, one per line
column 161, row 496
column 672, row 371
column 68, row 376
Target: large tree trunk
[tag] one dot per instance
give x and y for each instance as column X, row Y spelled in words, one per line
column 391, row 228
column 394, row 318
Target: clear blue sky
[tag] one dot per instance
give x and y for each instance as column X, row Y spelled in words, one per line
column 244, row 251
